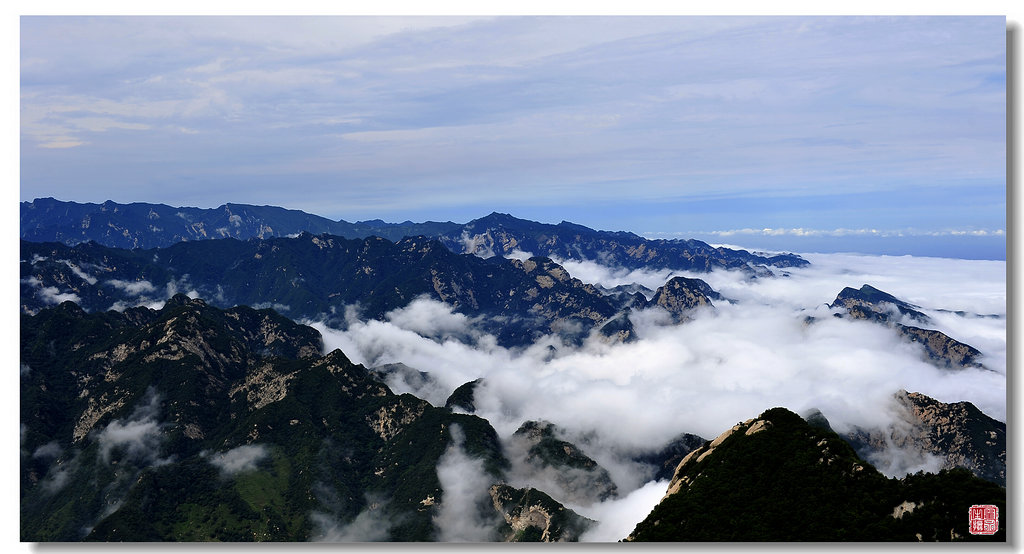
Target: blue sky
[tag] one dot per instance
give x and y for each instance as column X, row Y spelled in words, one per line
column 732, row 127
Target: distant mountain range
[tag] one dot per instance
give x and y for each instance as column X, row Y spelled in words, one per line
column 321, row 277
column 115, row 255
column 141, row 225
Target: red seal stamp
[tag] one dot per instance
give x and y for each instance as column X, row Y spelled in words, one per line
column 984, row 519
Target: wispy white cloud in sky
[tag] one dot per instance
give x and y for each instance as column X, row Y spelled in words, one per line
column 435, row 118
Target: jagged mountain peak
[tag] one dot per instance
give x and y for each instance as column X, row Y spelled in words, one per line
column 875, row 303
column 533, row 516
column 681, row 295
column 580, row 478
column 182, row 299
column 871, row 304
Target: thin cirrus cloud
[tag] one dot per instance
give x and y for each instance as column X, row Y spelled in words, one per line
column 406, row 118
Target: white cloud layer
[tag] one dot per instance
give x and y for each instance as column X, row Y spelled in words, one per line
column 617, row 518
column 81, row 274
column 134, row 288
column 368, row 526
column 754, row 352
column 50, row 295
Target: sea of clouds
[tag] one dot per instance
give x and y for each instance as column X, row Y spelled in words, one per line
column 771, row 342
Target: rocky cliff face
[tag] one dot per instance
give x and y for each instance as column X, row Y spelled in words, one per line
column 776, row 478
column 957, row 434
column 871, row 304
column 942, row 349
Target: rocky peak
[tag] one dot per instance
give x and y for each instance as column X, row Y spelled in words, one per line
column 462, row 398
column 680, row 295
column 496, row 218
column 181, row 299
column 869, row 303
column 580, row 477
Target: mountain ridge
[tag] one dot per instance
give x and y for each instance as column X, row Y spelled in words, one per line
column 145, row 225
column 871, row 304
column 320, row 276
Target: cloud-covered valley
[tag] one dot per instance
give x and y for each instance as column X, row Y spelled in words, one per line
column 770, row 342
column 755, row 349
